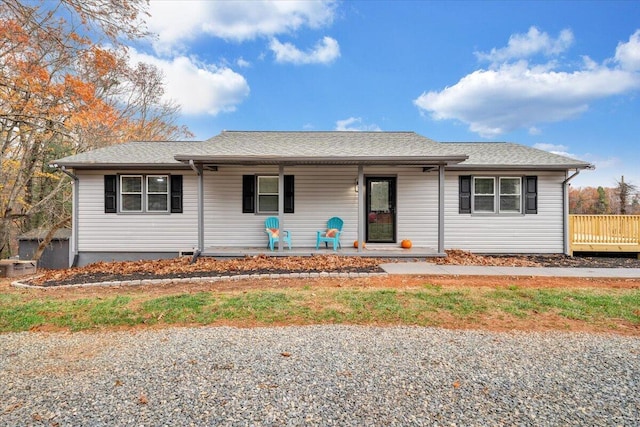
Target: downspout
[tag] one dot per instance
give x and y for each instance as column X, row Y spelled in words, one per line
column 74, row 213
column 199, row 172
column 565, row 211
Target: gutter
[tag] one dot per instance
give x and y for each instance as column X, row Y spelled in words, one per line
column 74, row 213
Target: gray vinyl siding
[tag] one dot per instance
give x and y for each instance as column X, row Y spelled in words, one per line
column 320, row 193
column 159, row 232
column 532, row 233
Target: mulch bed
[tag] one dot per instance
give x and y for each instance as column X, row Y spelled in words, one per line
column 211, row 267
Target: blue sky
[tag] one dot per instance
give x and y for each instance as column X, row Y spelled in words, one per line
column 561, row 76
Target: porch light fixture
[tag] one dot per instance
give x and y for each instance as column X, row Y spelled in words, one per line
column 356, row 188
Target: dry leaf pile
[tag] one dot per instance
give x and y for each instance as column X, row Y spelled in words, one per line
column 459, row 257
column 182, row 267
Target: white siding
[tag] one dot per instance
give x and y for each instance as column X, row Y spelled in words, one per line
column 102, row 232
column 532, row 233
column 320, row 193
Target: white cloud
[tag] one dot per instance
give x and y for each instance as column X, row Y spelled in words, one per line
column 243, row 63
column 515, row 95
column 176, row 22
column 561, row 150
column 198, row 88
column 355, row 124
column 628, row 54
column 324, row 52
column 527, row 45
column 554, row 148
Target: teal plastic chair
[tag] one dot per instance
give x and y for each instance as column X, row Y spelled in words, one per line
column 331, row 234
column 272, row 228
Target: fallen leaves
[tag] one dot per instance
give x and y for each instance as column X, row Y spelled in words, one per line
column 459, row 257
column 183, row 265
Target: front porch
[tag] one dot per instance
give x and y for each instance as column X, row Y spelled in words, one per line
column 372, row 251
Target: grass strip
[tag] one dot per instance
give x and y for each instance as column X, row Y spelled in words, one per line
column 428, row 305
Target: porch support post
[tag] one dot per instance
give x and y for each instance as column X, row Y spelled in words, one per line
column 280, row 204
column 440, row 209
column 200, row 208
column 361, row 218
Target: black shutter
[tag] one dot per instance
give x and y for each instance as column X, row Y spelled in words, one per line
column 248, row 193
column 110, row 194
column 176, row 193
column 465, row 194
column 530, row 194
column 288, row 194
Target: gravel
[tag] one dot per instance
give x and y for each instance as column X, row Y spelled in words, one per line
column 318, row 375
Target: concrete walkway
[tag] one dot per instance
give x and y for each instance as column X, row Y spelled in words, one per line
column 428, row 268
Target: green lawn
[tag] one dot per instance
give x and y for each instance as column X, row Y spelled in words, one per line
column 428, row 305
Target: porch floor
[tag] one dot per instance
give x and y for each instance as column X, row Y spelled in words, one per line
column 373, row 251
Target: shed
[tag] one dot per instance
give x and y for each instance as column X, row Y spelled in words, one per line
column 55, row 255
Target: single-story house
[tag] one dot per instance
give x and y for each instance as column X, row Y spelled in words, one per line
column 142, row 200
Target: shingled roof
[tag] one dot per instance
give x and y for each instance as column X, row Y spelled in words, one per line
column 249, row 148
column 498, row 155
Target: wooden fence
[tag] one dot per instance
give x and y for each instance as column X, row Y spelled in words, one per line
column 604, row 233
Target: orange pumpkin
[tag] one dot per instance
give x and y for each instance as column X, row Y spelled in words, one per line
column 406, row 244
column 355, row 244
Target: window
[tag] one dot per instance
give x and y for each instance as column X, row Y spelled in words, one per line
column 267, row 194
column 514, row 194
column 157, row 193
column 510, row 200
column 260, row 193
column 143, row 193
column 131, row 193
column 483, row 194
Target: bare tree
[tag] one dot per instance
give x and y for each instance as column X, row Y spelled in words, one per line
column 625, row 191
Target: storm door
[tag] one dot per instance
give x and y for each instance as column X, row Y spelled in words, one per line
column 381, row 210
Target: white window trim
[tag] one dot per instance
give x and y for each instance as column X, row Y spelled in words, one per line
column 144, row 193
column 519, row 194
column 473, row 195
column 258, row 193
column 496, row 196
column 122, row 193
column 148, row 193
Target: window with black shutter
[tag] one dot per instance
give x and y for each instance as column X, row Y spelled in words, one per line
column 260, row 194
column 143, row 193
column 288, row 194
column 110, row 194
column 176, row 193
column 464, row 194
column 531, row 194
column 497, row 194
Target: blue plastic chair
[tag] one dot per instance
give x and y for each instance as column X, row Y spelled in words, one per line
column 331, row 234
column 272, row 228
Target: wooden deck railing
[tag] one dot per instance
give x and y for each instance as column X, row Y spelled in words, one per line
column 604, row 233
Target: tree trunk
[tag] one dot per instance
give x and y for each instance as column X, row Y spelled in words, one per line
column 41, row 247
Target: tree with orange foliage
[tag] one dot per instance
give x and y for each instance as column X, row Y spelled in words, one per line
column 62, row 93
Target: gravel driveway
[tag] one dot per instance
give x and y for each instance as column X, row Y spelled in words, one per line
column 318, row 375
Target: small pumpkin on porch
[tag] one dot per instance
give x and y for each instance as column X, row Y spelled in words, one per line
column 406, row 244
column 355, row 244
